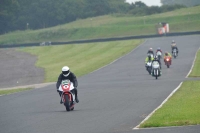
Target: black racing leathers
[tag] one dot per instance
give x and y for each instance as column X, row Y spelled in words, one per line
column 150, row 52
column 73, row 79
column 175, row 47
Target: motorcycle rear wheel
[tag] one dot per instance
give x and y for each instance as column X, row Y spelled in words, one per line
column 167, row 66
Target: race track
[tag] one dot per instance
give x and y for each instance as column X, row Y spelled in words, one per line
column 113, row 99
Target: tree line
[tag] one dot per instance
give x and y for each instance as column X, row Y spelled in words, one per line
column 31, row 14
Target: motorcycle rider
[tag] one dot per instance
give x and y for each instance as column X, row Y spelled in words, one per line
column 149, row 58
column 67, row 74
column 150, row 51
column 173, row 46
column 159, row 50
column 156, row 60
column 167, row 54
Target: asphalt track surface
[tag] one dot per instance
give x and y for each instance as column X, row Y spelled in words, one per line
column 113, row 99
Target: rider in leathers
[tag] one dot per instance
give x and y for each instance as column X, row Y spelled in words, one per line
column 157, row 60
column 67, row 74
column 167, row 54
column 150, row 51
column 173, row 46
column 148, row 59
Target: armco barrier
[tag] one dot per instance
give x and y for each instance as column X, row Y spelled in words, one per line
column 101, row 40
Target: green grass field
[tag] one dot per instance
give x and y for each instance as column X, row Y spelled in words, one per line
column 183, row 108
column 10, row 91
column 181, row 20
column 81, row 58
column 196, row 69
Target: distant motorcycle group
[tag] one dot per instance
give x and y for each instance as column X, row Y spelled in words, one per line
column 153, row 63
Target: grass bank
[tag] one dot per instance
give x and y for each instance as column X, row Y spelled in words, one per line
column 10, row 91
column 183, row 108
column 196, row 69
column 187, row 19
column 81, row 58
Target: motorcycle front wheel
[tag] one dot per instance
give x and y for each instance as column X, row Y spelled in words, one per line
column 67, row 103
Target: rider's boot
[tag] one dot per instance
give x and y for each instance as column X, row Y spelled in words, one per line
column 76, row 96
column 60, row 93
column 61, row 101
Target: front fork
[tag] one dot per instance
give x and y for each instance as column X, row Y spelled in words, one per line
column 70, row 97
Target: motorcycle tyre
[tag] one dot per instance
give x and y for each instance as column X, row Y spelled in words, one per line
column 149, row 71
column 156, row 74
column 167, row 66
column 67, row 103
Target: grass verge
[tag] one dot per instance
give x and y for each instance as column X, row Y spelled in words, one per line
column 196, row 71
column 183, row 108
column 182, row 20
column 81, row 58
column 10, row 91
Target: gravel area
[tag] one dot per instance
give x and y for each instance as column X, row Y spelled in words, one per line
column 18, row 69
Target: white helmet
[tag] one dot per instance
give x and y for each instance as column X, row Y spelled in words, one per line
column 65, row 71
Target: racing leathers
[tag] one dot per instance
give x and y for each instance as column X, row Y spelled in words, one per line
column 150, row 52
column 73, row 79
column 148, row 59
column 175, row 47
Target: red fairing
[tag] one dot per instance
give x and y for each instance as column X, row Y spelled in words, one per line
column 66, row 90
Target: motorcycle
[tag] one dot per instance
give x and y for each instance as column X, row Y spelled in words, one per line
column 67, row 96
column 156, row 69
column 167, row 61
column 148, row 67
column 174, row 53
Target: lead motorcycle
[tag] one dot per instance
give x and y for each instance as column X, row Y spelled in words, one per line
column 67, row 96
column 156, row 69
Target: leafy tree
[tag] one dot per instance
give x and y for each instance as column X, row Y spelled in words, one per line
column 23, row 14
column 7, row 14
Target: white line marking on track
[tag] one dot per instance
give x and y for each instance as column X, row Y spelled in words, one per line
column 193, row 63
column 137, row 127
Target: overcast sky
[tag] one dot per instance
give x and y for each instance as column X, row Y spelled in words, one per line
column 147, row 2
